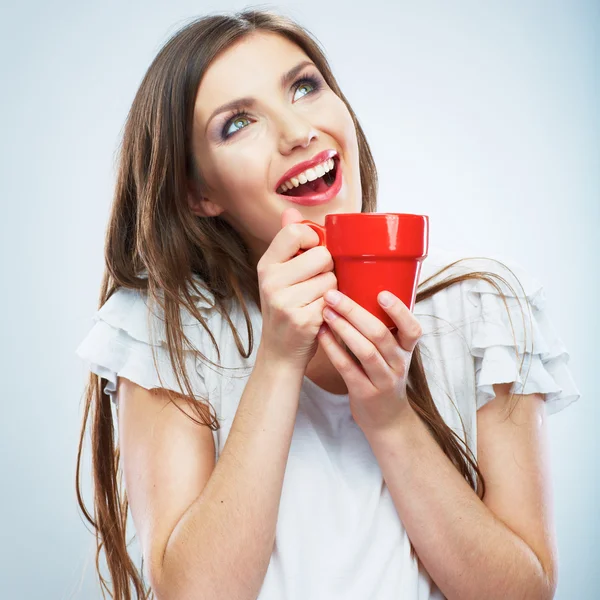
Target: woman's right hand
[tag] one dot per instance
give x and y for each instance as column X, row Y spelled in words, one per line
column 291, row 291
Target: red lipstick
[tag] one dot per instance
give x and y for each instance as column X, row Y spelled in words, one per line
column 327, row 194
column 307, row 164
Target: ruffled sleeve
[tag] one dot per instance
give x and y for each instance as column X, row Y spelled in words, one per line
column 121, row 342
column 502, row 337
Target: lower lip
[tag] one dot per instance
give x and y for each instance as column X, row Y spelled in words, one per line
column 323, row 198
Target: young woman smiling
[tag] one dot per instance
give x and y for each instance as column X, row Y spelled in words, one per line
column 265, row 455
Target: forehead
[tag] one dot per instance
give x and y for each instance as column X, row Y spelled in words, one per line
column 253, row 64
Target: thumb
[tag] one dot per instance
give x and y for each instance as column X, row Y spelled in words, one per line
column 291, row 215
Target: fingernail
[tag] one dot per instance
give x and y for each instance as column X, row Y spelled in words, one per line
column 386, row 299
column 332, row 296
column 329, row 314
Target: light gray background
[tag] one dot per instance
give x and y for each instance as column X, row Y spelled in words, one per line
column 483, row 115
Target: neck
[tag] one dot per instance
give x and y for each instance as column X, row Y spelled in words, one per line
column 324, row 374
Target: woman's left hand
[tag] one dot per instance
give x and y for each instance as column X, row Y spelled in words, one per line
column 377, row 391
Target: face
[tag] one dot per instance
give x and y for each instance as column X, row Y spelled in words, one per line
column 243, row 157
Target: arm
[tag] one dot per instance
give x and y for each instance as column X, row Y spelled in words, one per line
column 209, row 533
column 503, row 547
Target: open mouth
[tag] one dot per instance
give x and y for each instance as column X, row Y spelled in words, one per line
column 318, row 186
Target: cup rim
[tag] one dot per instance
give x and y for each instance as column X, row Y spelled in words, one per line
column 375, row 215
column 400, row 216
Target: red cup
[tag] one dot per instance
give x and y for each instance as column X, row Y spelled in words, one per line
column 373, row 252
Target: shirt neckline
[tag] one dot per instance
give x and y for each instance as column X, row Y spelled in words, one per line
column 315, row 390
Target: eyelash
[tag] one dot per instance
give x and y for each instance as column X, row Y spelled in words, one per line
column 313, row 81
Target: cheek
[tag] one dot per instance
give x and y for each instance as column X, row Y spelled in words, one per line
column 337, row 122
column 349, row 131
column 242, row 175
column 343, row 129
column 339, row 115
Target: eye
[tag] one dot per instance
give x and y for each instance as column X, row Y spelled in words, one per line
column 306, row 82
column 238, row 117
column 241, row 115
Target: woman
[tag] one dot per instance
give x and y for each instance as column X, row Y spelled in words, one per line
column 276, row 441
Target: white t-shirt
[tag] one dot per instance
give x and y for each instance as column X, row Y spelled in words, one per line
column 338, row 533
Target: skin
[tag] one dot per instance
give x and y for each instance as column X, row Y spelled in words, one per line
column 288, row 125
column 501, row 547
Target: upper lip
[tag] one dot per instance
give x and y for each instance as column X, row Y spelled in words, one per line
column 307, row 164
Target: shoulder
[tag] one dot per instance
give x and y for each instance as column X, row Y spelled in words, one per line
column 459, row 290
column 128, row 338
column 134, row 312
column 497, row 314
column 486, row 299
column 480, row 275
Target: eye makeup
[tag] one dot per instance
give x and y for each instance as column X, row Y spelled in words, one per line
column 240, row 113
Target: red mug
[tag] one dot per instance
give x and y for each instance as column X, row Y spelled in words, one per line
column 373, row 252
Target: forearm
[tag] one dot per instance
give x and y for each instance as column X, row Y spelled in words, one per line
column 468, row 552
column 222, row 545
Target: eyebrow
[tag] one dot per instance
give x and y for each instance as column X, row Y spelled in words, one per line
column 249, row 102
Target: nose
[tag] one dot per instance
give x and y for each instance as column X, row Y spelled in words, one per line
column 294, row 131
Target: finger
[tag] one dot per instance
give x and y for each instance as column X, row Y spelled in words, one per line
column 371, row 328
column 352, row 373
column 409, row 328
column 288, row 241
column 374, row 365
column 301, row 294
column 290, row 215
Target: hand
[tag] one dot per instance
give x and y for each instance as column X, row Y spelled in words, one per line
column 376, row 386
column 291, row 291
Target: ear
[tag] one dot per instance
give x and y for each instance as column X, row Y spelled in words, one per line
column 202, row 206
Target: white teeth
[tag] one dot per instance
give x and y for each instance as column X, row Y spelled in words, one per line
column 308, row 175
column 311, row 174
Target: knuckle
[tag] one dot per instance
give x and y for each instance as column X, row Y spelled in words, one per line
column 324, row 254
column 317, row 254
column 344, row 367
column 330, row 279
column 277, row 304
column 265, row 269
column 298, row 321
column 415, row 330
column 370, row 355
column 267, row 286
column 380, row 334
column 327, row 259
column 392, row 383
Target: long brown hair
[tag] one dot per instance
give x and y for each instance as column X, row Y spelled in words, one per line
column 155, row 244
